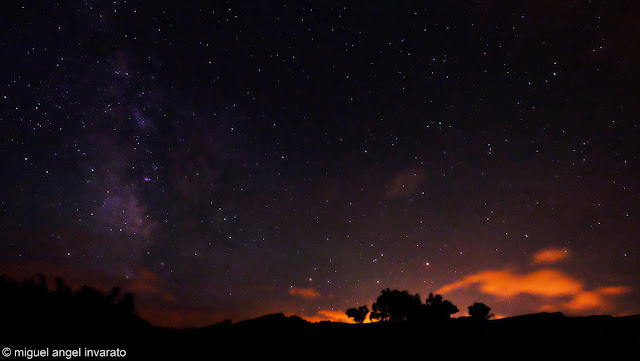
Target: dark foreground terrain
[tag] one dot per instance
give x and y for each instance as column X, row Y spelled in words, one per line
column 36, row 320
column 550, row 334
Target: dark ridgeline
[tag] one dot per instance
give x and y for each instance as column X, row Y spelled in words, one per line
column 37, row 316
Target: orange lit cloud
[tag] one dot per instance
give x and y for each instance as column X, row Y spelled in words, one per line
column 304, row 292
column 586, row 300
column 145, row 282
column 590, row 300
column 549, row 308
column 139, row 286
column 404, row 183
column 554, row 285
column 168, row 297
column 504, row 283
column 614, row 290
column 550, row 255
column 147, row 275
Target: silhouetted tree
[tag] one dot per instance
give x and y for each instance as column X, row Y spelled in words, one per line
column 358, row 314
column 42, row 281
column 31, row 308
column 62, row 288
column 126, row 303
column 112, row 297
column 394, row 305
column 480, row 311
column 439, row 309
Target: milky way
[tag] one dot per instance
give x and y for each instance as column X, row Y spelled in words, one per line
column 229, row 160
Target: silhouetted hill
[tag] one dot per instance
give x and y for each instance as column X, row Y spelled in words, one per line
column 273, row 321
column 631, row 317
column 534, row 317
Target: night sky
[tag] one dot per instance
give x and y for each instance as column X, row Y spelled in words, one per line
column 227, row 160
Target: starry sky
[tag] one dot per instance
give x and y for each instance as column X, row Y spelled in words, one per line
column 226, row 160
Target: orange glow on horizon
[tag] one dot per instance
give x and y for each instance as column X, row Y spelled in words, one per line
column 329, row 315
column 333, row 316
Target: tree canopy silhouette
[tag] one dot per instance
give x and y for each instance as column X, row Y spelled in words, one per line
column 394, row 306
column 31, row 305
column 479, row 311
column 439, row 309
column 358, row 314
